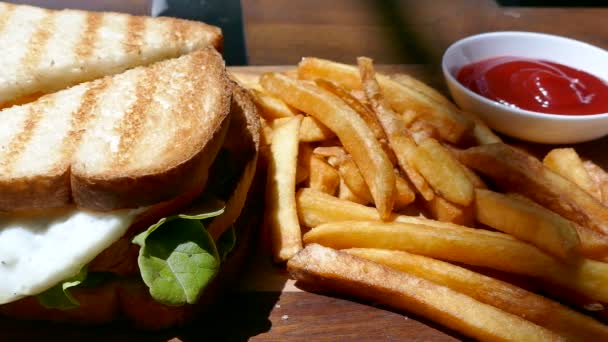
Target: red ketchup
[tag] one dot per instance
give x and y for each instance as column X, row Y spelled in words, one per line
column 536, row 85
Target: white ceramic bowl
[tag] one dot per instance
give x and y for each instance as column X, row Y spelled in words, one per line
column 524, row 124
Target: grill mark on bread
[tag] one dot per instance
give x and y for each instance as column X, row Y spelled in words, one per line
column 82, row 116
column 86, row 45
column 5, row 15
column 131, row 125
column 37, row 43
column 186, row 106
column 21, row 140
column 136, row 27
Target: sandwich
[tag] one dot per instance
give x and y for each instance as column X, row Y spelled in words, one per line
column 47, row 50
column 123, row 197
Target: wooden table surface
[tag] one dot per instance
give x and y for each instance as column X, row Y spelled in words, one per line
column 280, row 32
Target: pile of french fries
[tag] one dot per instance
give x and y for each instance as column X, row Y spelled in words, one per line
column 381, row 188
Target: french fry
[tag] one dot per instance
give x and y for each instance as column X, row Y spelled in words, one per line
column 466, row 245
column 312, row 130
column 521, row 173
column 404, row 193
column 322, row 176
column 266, row 136
column 315, row 208
column 451, row 125
column 366, row 113
column 600, row 178
column 325, row 269
column 421, row 87
column 399, row 139
column 507, row 297
column 443, row 172
column 354, row 134
column 422, row 130
column 539, row 226
column 246, row 79
column 271, row 107
column 303, row 167
column 593, row 244
column 446, row 211
column 346, row 194
column 356, row 189
column 354, row 180
column 482, row 133
column 281, row 215
column 331, row 151
column 566, row 163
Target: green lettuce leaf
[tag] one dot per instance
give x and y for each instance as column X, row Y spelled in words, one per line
column 178, row 257
column 59, row 296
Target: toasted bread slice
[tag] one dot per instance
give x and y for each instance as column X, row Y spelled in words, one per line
column 47, row 50
column 134, row 139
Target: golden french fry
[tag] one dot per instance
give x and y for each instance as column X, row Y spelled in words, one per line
column 566, row 163
column 482, row 133
column 324, row 269
column 322, row 176
column 593, row 244
column 446, row 211
column 404, row 193
column 312, row 130
column 331, row 151
column 266, row 136
column 344, row 193
column 507, row 297
column 600, row 178
column 451, row 125
column 443, row 172
column 422, row 130
column 539, row 226
column 354, row 134
column 349, row 173
column 521, row 173
column 354, row 180
column 271, row 107
column 466, row 245
column 363, row 110
column 399, row 139
column 281, row 216
column 421, row 87
column 315, row 208
column 246, row 79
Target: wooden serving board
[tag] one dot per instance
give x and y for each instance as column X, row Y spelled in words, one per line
column 268, row 306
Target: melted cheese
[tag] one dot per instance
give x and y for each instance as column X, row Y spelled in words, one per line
column 39, row 251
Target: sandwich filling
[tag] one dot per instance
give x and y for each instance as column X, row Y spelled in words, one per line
column 41, row 250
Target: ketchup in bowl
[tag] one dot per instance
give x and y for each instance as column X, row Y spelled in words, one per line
column 536, row 85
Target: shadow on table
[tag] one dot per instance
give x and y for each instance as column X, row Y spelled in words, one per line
column 239, row 316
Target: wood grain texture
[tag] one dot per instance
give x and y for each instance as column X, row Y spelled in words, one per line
column 409, row 31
